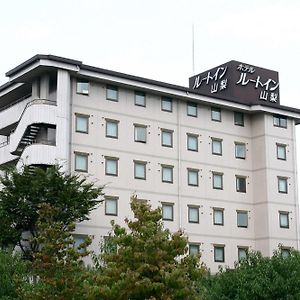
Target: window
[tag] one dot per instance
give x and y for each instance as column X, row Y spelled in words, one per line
column 279, row 121
column 194, row 249
column 193, row 214
column 112, row 93
column 192, row 142
column 112, row 128
column 216, row 114
column 284, row 219
column 82, row 88
column 192, row 109
column 285, row 252
column 82, row 123
column 193, row 177
column 240, row 150
column 238, row 118
column 140, row 99
column 218, row 216
column 166, row 104
column 218, row 181
column 111, row 166
column 219, row 253
column 111, row 206
column 167, row 138
column 242, row 253
column 281, row 151
column 240, row 184
column 167, row 173
column 216, row 146
column 140, row 133
column 140, row 169
column 79, row 241
column 81, row 162
column 242, row 219
column 167, row 211
column 108, row 245
column 282, row 185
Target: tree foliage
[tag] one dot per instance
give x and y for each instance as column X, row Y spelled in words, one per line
column 149, row 263
column 256, row 277
column 24, row 191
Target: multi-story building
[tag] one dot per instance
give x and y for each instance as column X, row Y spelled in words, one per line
column 218, row 156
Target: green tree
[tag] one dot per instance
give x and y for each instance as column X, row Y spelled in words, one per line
column 256, row 277
column 149, row 263
column 23, row 191
column 58, row 266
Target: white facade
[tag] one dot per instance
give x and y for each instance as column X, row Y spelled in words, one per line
column 229, row 187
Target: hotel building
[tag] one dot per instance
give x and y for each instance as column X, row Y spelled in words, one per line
column 218, row 156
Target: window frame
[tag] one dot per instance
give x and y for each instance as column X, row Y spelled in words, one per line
column 116, row 160
column 216, row 140
column 236, row 121
column 191, row 245
column 141, row 163
column 170, row 205
column 242, row 248
column 244, row 212
column 237, row 186
column 166, row 100
column 140, row 126
column 86, row 157
column 280, row 124
column 81, row 91
column 111, row 198
column 111, row 121
column 236, row 144
column 166, row 131
column 192, row 170
column 285, row 179
column 167, row 167
column 287, row 214
column 82, row 116
column 284, row 146
column 221, row 210
column 216, row 110
column 195, row 136
column 219, row 247
column 213, row 180
column 140, row 94
column 112, row 88
column 193, row 207
column 194, row 106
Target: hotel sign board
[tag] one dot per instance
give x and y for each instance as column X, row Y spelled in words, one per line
column 238, row 82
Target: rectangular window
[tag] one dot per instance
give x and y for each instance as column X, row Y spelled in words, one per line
column 111, row 206
column 240, row 184
column 166, row 104
column 167, row 138
column 284, row 219
column 140, row 99
column 82, row 87
column 242, row 253
column 242, row 218
column 216, row 114
column 240, row 150
column 217, row 181
column 281, row 151
column 167, row 173
column 218, row 216
column 79, row 240
column 216, row 146
column 238, row 118
column 282, row 185
column 279, row 121
column 167, row 211
column 140, row 133
column 112, row 93
column 81, row 162
column 192, row 142
column 82, row 123
column 194, row 249
column 111, row 166
column 193, row 177
column 219, row 253
column 192, row 109
column 285, row 252
column 193, row 214
column 112, row 128
column 140, row 169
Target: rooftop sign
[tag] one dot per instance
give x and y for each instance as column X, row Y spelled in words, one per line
column 238, row 82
